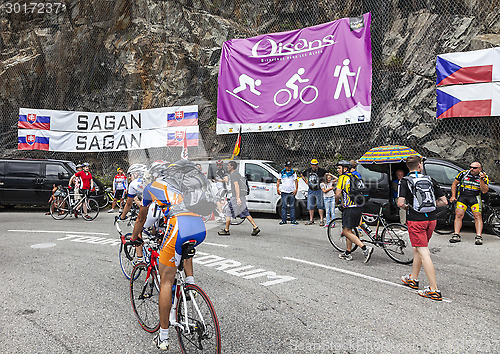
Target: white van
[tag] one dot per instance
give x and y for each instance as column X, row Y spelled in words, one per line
column 262, row 176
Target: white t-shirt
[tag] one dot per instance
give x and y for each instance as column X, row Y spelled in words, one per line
column 330, row 193
column 135, row 188
column 288, row 183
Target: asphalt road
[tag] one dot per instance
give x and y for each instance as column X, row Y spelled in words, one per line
column 62, row 291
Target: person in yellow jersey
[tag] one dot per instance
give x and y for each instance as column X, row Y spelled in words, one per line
column 351, row 213
column 466, row 191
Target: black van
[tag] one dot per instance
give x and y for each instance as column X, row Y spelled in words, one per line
column 29, row 181
column 378, row 179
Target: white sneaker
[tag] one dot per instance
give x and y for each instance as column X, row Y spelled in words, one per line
column 161, row 344
column 111, row 211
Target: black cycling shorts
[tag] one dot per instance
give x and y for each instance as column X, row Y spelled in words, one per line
column 351, row 217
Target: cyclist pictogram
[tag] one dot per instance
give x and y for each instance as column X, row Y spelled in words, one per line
column 292, row 90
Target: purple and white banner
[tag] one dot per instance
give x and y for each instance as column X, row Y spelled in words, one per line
column 314, row 77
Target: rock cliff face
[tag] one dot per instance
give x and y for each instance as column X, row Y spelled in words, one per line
column 102, row 55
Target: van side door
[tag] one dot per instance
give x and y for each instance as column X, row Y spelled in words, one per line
column 23, row 183
column 262, row 185
column 55, row 173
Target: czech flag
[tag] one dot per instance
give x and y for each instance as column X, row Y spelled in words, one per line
column 32, row 142
column 468, row 67
column 182, row 118
column 33, row 121
column 477, row 100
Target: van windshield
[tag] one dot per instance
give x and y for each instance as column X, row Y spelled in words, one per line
column 273, row 165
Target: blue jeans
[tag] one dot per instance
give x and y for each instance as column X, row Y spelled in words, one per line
column 329, row 208
column 287, row 202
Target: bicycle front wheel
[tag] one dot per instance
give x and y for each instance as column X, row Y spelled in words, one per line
column 127, row 256
column 396, row 243
column 92, row 209
column 337, row 237
column 144, row 295
column 494, row 222
column 59, row 209
column 203, row 333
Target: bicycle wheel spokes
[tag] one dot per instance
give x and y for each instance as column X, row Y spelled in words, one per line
column 337, row 237
column 144, row 296
column 204, row 333
column 494, row 222
column 92, row 209
column 127, row 256
column 59, row 209
column 396, row 243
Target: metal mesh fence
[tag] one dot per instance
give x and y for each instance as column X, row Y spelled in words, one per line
column 175, row 48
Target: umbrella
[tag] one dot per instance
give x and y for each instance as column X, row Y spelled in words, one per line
column 387, row 154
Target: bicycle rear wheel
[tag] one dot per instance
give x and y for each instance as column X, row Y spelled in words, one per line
column 337, row 237
column 104, row 201
column 92, row 209
column 59, row 209
column 204, row 332
column 445, row 220
column 127, row 255
column 396, row 243
column 144, row 295
column 494, row 222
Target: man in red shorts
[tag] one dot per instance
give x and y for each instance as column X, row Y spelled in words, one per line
column 420, row 195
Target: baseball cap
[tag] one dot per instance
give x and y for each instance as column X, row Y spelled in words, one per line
column 314, row 162
column 288, row 163
column 118, row 169
column 220, row 162
column 85, row 164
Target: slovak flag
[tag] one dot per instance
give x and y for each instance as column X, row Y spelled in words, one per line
column 32, row 142
column 33, row 121
column 184, row 116
column 475, row 100
column 180, row 138
column 468, row 67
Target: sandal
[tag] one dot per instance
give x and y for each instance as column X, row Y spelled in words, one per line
column 321, row 223
column 455, row 238
column 309, row 222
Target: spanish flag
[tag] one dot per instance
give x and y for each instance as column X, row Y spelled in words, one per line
column 237, row 146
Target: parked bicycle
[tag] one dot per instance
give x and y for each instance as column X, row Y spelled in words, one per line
column 107, row 198
column 392, row 238
column 446, row 219
column 69, row 203
column 192, row 313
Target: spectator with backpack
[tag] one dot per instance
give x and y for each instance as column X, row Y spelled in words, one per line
column 237, row 206
column 313, row 176
column 350, row 191
column 420, row 195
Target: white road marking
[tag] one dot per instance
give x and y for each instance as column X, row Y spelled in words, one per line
column 61, row 232
column 236, row 268
column 214, row 244
column 359, row 275
column 43, row 245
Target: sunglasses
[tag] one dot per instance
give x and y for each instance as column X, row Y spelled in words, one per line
column 473, row 167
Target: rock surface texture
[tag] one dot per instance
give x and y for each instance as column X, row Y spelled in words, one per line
column 101, row 55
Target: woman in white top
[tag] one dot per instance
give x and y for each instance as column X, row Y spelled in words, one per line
column 328, row 188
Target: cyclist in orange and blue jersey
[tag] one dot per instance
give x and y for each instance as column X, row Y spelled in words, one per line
column 469, row 184
column 181, row 226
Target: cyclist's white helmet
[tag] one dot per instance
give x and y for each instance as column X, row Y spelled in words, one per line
column 138, row 169
column 157, row 169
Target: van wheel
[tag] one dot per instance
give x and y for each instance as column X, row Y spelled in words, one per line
column 370, row 220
